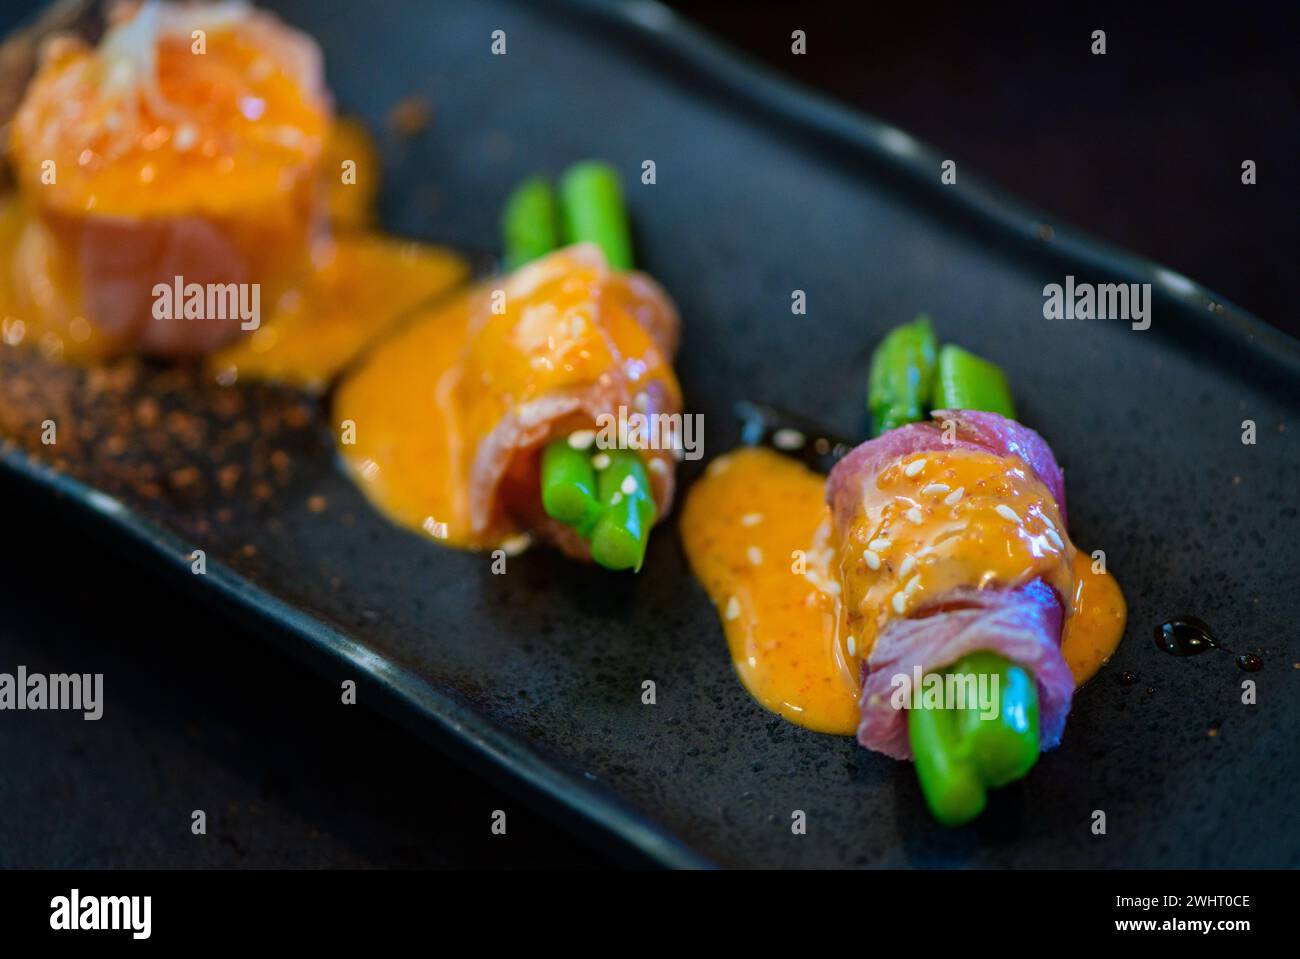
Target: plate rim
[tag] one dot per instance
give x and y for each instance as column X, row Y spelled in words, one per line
column 658, row 28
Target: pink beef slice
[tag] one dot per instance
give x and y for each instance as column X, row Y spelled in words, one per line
column 1022, row 624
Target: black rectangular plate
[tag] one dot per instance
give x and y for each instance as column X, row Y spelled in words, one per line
column 762, row 190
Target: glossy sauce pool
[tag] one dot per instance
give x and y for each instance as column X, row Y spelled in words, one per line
column 757, row 532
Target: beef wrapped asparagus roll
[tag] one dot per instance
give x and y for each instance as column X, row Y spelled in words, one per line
column 951, row 540
column 517, row 411
column 182, row 186
column 185, row 144
column 934, row 564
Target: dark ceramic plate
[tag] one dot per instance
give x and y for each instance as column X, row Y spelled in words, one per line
column 762, row 190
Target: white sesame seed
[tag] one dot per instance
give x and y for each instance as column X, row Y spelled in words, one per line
column 1007, row 513
column 873, row 561
column 948, row 533
column 733, row 608
column 628, row 485
column 909, row 564
column 657, row 465
column 600, row 461
column 934, row 489
column 914, row 515
column 913, row 585
column 755, row 555
column 581, row 439
column 517, row 544
column 900, row 603
column 187, row 134
column 853, row 645
column 788, row 439
column 914, row 467
column 880, row 544
column 828, row 586
column 616, row 498
column 952, row 498
column 751, row 519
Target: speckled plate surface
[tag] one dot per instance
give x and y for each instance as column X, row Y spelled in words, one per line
column 760, row 191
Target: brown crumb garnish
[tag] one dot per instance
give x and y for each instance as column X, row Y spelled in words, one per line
column 228, row 477
column 410, row 116
column 317, row 503
column 146, row 412
column 187, row 477
column 204, row 459
column 298, row 417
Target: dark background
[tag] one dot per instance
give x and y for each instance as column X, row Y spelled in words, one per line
column 1142, row 147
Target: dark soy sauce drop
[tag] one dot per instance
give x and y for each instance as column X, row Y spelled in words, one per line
column 1189, row 636
column 791, row 435
column 1185, row 636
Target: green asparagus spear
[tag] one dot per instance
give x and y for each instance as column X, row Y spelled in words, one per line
column 592, row 210
column 569, row 486
column 619, row 538
column 530, row 222
column 612, row 507
column 949, row 780
column 902, row 375
column 960, row 754
column 1004, row 747
column 968, row 382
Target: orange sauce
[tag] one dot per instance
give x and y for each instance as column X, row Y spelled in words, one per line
column 753, row 528
column 360, row 284
column 350, row 168
column 931, row 522
column 410, row 455
column 354, row 287
column 227, row 130
column 798, row 631
column 1098, row 613
column 423, row 403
